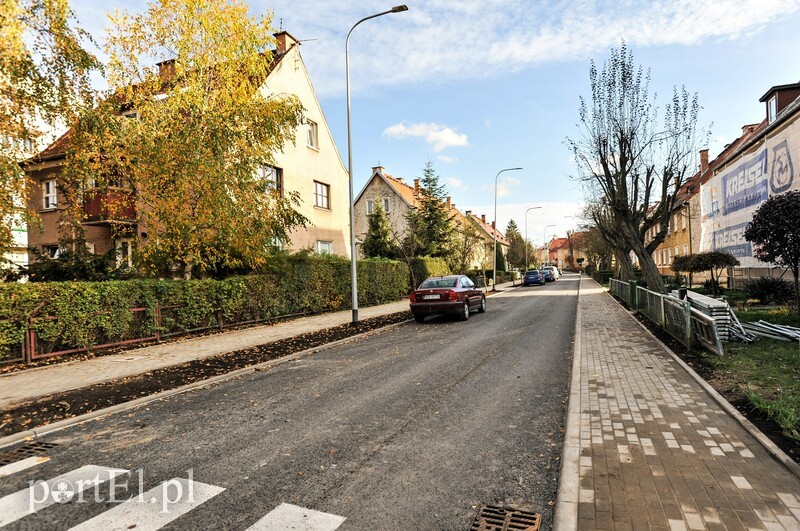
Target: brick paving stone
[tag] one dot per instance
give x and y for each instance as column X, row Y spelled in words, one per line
column 661, row 452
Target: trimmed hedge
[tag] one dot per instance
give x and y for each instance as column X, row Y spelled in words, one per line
column 603, row 275
column 424, row 267
column 85, row 314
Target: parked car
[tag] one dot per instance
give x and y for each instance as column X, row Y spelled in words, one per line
column 551, row 271
column 533, row 276
column 548, row 275
column 454, row 294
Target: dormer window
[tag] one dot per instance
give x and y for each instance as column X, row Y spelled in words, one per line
column 772, row 108
column 133, row 115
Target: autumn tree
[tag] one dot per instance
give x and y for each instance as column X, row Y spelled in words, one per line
column 631, row 157
column 775, row 233
column 188, row 127
column 378, row 240
column 466, row 244
column 44, row 82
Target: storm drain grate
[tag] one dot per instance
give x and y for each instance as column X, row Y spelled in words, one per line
column 493, row 518
column 31, row 449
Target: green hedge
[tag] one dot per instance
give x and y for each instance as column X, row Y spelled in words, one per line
column 424, row 267
column 85, row 314
column 603, row 275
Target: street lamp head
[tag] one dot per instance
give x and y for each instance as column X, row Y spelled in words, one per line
column 398, row 9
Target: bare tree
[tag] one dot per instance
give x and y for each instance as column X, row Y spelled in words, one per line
column 633, row 159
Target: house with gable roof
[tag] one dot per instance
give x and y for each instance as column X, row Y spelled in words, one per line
column 397, row 198
column 311, row 166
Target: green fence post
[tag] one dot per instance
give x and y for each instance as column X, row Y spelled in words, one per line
column 687, row 312
column 632, row 295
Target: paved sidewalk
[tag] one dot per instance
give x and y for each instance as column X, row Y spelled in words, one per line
column 22, row 386
column 648, row 447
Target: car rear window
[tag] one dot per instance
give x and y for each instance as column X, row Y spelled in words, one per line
column 439, row 283
column 532, row 272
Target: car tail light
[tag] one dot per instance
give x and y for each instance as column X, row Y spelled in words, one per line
column 411, row 298
column 452, row 296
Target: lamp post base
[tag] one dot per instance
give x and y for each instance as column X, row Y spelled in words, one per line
column 355, row 316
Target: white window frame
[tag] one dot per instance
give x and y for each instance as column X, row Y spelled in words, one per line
column 370, row 207
column 274, row 176
column 772, row 108
column 685, row 249
column 126, row 243
column 322, row 200
column 49, row 194
column 132, row 115
column 386, row 205
column 324, row 247
column 313, row 135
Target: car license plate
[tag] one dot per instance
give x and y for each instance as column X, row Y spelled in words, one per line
column 429, row 297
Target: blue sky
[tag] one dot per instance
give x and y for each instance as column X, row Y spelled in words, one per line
column 478, row 86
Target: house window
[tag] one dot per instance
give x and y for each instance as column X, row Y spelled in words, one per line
column 322, row 195
column 772, row 108
column 685, row 250
column 50, row 196
column 51, row 251
column 90, row 247
column 370, row 206
column 313, row 138
column 676, row 250
column 324, row 247
column 386, row 204
column 131, row 115
column 669, row 256
column 683, row 221
column 274, row 178
column 125, row 253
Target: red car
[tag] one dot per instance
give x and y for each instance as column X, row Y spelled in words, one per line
column 455, row 294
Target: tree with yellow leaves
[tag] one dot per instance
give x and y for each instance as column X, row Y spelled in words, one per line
column 44, row 79
column 188, row 129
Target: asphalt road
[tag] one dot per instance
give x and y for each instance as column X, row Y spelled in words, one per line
column 412, row 428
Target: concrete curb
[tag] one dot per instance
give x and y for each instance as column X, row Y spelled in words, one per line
column 66, row 423
column 765, row 441
column 567, row 498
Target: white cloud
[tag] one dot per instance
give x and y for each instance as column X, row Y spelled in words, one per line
column 447, row 159
column 505, row 186
column 454, row 183
column 440, row 137
column 430, row 42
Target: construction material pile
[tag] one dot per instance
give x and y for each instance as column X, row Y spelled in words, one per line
column 765, row 329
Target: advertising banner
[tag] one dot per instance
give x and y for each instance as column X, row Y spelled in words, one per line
column 730, row 198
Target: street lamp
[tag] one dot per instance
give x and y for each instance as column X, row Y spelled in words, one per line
column 353, row 265
column 526, row 235
column 544, row 241
column 494, row 231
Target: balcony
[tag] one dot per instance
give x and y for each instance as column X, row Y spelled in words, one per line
column 113, row 205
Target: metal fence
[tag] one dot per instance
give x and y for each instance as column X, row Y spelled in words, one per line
column 672, row 314
column 40, row 337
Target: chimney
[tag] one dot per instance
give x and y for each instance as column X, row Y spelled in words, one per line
column 468, row 212
column 166, row 69
column 483, row 218
column 377, row 169
column 284, row 42
column 449, row 206
column 492, row 225
column 703, row 161
column 416, row 185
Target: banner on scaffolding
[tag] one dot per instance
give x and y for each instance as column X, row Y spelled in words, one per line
column 730, row 198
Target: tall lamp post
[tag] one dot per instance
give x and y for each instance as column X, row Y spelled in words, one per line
column 353, row 265
column 526, row 235
column 544, row 241
column 494, row 229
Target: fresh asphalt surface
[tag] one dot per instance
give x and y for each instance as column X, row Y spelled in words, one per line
column 412, row 428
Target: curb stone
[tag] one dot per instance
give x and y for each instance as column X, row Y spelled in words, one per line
column 66, row 423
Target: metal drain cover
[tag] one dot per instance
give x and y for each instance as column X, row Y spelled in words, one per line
column 19, row 453
column 494, row 518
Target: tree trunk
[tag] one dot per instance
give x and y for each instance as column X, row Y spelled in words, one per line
column 624, row 265
column 651, row 274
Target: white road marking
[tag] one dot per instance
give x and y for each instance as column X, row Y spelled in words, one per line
column 43, row 494
column 13, row 468
column 155, row 508
column 288, row 516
